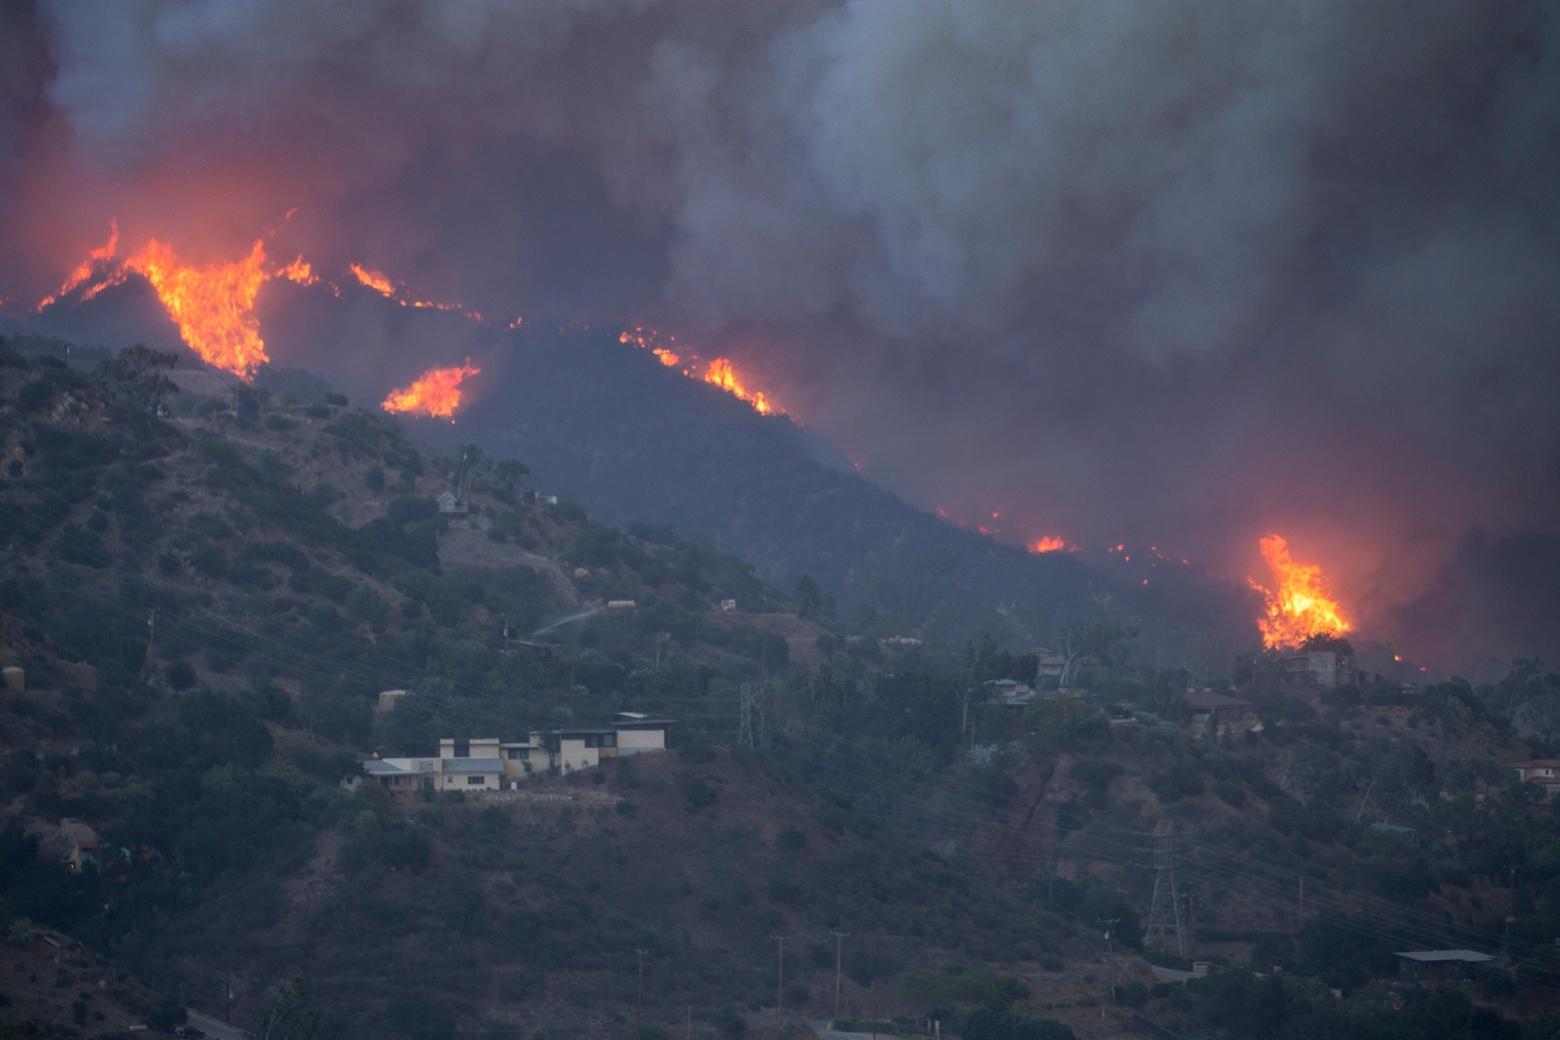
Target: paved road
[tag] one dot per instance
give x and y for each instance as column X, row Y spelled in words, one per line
column 214, row 1027
column 825, row 1030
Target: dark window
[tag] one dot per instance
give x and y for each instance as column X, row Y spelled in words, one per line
column 519, row 753
column 463, row 749
column 476, row 781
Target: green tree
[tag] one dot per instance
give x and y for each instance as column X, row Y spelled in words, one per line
column 808, row 597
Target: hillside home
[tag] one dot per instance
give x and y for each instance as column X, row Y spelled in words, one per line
column 1541, row 772
column 1009, row 693
column 449, row 503
column 491, row 764
column 1213, row 714
column 1429, row 965
column 1326, row 669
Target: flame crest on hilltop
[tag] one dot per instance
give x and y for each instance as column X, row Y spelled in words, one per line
column 436, row 393
column 1300, row 605
column 718, row 372
column 1049, row 543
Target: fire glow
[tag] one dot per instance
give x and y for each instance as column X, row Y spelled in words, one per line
column 717, row 371
column 212, row 305
column 436, row 393
column 382, row 284
column 1299, row 606
column 1049, row 543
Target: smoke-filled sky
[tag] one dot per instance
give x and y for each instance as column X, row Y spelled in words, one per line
column 1182, row 272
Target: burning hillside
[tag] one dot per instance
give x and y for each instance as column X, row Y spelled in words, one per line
column 1299, row 605
column 436, row 393
column 213, row 304
column 718, row 371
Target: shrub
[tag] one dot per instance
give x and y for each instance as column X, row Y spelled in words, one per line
column 789, row 839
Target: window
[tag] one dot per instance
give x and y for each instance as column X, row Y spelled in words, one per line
column 462, row 749
column 519, row 754
column 476, row 781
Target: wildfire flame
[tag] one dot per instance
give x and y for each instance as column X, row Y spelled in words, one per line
column 436, row 393
column 382, row 284
column 1047, row 544
column 213, row 306
column 1300, row 606
column 718, row 372
column 374, row 280
column 83, row 270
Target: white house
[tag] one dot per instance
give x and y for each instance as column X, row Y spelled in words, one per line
column 491, row 764
column 449, row 502
column 1544, row 773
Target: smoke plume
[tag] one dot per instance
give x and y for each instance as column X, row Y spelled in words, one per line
column 1176, row 272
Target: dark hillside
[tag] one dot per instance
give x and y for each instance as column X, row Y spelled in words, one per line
column 607, row 424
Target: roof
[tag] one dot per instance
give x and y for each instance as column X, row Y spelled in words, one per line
column 643, row 722
column 1208, row 699
column 1383, row 827
column 473, row 765
column 1440, row 956
column 1535, row 763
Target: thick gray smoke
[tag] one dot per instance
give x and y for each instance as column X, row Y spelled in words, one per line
column 1177, row 272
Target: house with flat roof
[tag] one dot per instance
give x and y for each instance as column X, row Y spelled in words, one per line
column 490, row 764
column 1214, row 714
column 1430, row 965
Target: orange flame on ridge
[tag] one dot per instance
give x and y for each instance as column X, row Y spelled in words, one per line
column 213, row 306
column 1047, row 544
column 719, row 372
column 371, row 279
column 1300, row 607
column 83, row 270
column 436, row 393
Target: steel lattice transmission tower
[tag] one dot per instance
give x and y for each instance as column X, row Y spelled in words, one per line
column 1164, row 913
column 745, row 735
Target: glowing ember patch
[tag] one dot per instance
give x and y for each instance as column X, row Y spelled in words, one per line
column 436, row 393
column 1299, row 607
column 213, row 306
column 1047, row 544
column 512, row 326
column 83, row 270
column 371, row 279
column 666, row 357
column 298, row 271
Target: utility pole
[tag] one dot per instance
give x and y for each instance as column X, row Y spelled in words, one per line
column 1110, row 955
column 780, row 975
column 689, row 1033
column 1300, row 905
column 639, row 994
column 1164, row 915
column 839, row 947
column 148, row 663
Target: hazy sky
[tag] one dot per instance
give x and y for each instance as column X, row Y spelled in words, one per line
column 1180, row 272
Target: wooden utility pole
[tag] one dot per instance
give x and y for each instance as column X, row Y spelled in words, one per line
column 639, row 995
column 780, row 975
column 1110, row 955
column 839, row 959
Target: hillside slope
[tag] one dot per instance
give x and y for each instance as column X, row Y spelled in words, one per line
column 608, row 425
